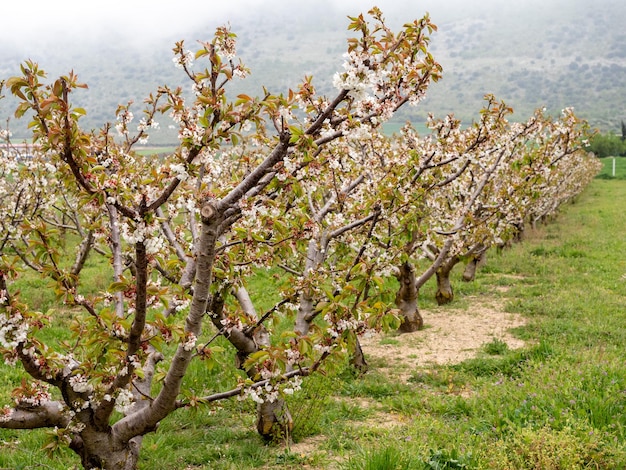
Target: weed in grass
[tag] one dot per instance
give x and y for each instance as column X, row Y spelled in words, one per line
column 574, row 447
column 389, row 341
column 308, row 406
column 448, row 460
column 387, row 458
column 288, row 459
column 496, row 347
column 439, row 378
column 407, row 405
column 352, row 412
column 396, row 458
column 341, row 439
column 372, row 385
column 509, row 364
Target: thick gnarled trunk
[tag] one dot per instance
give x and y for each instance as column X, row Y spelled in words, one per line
column 469, row 273
column 445, row 293
column 100, row 450
column 406, row 299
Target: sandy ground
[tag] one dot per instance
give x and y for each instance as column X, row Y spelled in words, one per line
column 449, row 336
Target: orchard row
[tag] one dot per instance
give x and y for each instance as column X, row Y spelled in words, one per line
column 349, row 222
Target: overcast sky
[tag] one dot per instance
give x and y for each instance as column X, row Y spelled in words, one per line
column 64, row 34
column 39, row 17
column 26, row 24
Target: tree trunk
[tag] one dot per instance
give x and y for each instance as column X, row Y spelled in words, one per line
column 444, row 294
column 469, row 274
column 99, row 450
column 357, row 360
column 519, row 233
column 406, row 299
column 274, row 422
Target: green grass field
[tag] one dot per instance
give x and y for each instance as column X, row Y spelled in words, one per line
column 613, row 168
column 557, row 403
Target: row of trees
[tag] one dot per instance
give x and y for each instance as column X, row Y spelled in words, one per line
column 303, row 184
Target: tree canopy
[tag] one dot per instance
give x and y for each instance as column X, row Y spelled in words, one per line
column 303, row 185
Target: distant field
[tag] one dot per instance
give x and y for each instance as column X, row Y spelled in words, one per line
column 611, row 163
column 393, row 127
column 155, row 150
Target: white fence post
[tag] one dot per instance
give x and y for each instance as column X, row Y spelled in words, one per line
column 613, row 167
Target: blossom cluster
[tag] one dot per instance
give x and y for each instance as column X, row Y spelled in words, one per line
column 124, row 401
column 225, row 42
column 360, row 77
column 149, row 234
column 13, row 329
column 124, row 118
column 6, row 413
column 270, row 392
column 184, row 59
column 37, row 394
column 337, row 327
column 80, row 384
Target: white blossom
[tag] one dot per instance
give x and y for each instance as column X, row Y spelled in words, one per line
column 190, row 342
column 79, row 384
column 124, row 401
column 184, row 59
column 6, row 413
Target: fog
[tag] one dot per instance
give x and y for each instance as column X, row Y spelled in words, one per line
column 531, row 53
column 74, row 23
column 43, row 28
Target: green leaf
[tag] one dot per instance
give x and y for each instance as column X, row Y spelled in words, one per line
column 118, row 286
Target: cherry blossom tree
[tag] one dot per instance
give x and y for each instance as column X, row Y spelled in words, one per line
column 527, row 172
column 449, row 171
column 303, row 185
column 182, row 233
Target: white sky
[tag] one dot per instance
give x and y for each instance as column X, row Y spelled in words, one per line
column 67, row 18
column 72, row 20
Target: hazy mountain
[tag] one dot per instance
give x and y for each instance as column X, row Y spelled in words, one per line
column 531, row 53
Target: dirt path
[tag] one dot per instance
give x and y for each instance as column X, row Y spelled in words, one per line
column 450, row 336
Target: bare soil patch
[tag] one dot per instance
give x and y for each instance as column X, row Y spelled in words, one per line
column 450, row 336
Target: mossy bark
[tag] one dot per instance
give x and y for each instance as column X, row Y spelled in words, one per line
column 445, row 293
column 406, row 299
column 469, row 273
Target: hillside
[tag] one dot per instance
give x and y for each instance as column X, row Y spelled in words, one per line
column 531, row 54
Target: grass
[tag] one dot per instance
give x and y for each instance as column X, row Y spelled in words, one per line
column 556, row 404
column 607, row 168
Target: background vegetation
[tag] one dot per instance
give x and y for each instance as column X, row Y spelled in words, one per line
column 608, row 145
column 529, row 54
column 555, row 404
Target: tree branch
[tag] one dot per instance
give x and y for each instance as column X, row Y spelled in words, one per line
column 48, row 415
